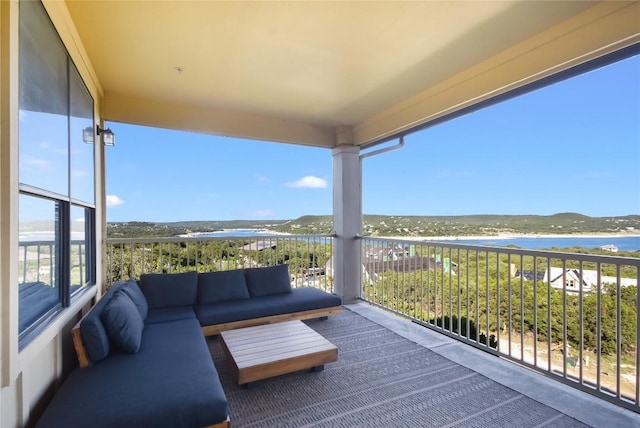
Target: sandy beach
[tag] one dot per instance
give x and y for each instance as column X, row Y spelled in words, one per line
column 535, row 235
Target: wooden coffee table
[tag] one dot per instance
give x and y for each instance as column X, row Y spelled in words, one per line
column 256, row 353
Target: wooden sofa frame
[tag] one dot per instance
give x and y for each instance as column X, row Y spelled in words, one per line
column 214, row 329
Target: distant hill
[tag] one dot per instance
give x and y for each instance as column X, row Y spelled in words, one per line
column 383, row 225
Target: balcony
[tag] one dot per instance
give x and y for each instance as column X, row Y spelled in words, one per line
column 475, row 311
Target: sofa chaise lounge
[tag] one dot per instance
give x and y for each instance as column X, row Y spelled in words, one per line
column 143, row 357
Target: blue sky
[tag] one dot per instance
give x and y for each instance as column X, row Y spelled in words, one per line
column 570, row 147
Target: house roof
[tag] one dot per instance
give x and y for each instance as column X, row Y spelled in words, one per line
column 326, row 73
column 589, row 277
column 260, row 245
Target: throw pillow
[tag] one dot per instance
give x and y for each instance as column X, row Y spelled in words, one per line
column 132, row 290
column 94, row 335
column 268, row 280
column 222, row 286
column 123, row 323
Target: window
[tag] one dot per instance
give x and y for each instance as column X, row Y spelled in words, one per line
column 57, row 176
column 39, row 257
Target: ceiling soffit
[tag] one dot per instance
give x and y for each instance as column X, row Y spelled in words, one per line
column 295, row 71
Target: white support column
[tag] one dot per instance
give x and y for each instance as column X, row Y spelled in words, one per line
column 347, row 221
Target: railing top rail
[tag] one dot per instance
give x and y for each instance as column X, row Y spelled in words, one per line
column 47, row 242
column 510, row 250
column 213, row 238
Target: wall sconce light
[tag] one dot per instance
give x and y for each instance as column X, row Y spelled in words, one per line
column 87, row 135
column 108, row 139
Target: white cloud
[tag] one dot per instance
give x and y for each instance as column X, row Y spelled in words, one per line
column 114, row 201
column 36, row 162
column 78, row 173
column 80, row 219
column 308, row 182
column 261, row 213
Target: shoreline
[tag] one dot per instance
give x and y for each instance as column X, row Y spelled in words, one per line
column 527, row 236
column 502, row 236
column 257, row 231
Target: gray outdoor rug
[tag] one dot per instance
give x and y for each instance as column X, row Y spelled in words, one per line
column 380, row 380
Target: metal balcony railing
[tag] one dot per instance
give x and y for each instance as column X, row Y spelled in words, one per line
column 308, row 256
column 572, row 317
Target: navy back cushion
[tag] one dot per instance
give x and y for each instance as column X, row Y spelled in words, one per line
column 224, row 286
column 132, row 290
column 94, row 335
column 164, row 290
column 268, row 280
column 123, row 323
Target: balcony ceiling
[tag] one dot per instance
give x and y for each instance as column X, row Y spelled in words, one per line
column 327, row 73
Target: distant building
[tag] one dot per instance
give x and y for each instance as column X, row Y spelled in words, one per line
column 401, row 258
column 259, row 246
column 529, row 275
column 572, row 279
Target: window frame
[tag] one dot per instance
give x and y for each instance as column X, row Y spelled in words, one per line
column 64, row 203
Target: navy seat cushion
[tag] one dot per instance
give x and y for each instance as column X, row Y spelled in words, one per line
column 268, row 280
column 160, row 315
column 164, row 290
column 123, row 323
column 132, row 290
column 149, row 388
column 222, row 286
column 94, row 336
column 300, row 299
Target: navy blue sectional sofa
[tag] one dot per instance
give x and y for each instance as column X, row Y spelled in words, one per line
column 142, row 354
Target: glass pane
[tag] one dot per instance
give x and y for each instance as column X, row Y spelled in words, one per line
column 39, row 255
column 82, row 184
column 80, row 236
column 44, row 142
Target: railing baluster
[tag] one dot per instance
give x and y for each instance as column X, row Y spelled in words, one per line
column 618, row 331
column 599, row 328
column 497, row 303
column 535, row 314
column 522, row 316
column 580, row 323
column 550, row 317
column 25, row 263
column 487, row 298
column 636, row 350
column 477, row 314
column 468, row 296
column 458, row 293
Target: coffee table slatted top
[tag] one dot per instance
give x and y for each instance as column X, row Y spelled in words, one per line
column 257, row 353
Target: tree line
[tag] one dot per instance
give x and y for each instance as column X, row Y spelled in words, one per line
column 480, row 291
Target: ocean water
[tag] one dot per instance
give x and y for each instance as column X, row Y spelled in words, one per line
column 626, row 243
column 234, row 233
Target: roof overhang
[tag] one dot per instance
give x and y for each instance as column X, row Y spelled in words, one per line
column 328, row 73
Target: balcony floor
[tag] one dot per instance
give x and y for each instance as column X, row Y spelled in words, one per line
column 391, row 372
